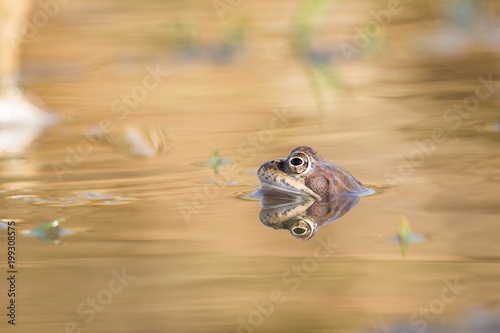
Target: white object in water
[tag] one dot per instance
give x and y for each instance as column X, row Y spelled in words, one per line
column 21, row 122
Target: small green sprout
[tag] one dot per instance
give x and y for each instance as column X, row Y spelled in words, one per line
column 215, row 162
column 404, row 235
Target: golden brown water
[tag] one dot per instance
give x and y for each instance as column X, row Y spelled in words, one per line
column 194, row 255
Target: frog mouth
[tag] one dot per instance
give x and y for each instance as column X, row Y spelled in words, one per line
column 274, row 180
column 280, row 187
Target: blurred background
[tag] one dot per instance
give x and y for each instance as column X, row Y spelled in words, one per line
column 131, row 132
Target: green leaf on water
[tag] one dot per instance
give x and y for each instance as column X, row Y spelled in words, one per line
column 404, row 235
column 50, row 232
column 215, row 162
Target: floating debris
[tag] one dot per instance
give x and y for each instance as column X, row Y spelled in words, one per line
column 215, row 162
column 96, row 195
column 77, row 199
column 69, row 203
column 28, row 198
column 115, row 201
column 405, row 236
column 50, row 232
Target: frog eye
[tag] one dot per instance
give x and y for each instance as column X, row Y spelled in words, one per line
column 298, row 164
column 296, row 161
column 302, row 229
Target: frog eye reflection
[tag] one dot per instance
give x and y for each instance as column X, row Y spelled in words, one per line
column 297, row 164
column 299, row 231
column 302, row 230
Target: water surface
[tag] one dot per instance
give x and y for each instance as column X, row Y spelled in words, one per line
column 191, row 255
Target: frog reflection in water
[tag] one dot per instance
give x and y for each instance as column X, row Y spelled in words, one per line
column 303, row 219
column 304, row 172
column 303, row 192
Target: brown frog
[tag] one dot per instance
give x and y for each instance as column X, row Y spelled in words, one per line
column 304, row 172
